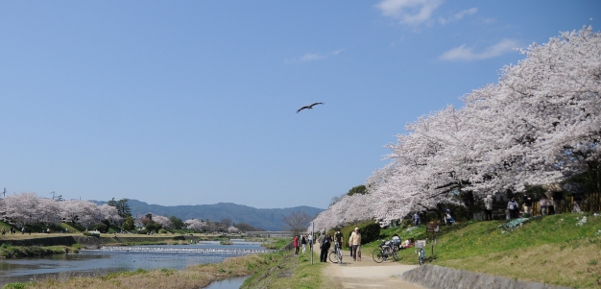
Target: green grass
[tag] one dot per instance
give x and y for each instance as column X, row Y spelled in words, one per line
column 553, row 249
column 276, row 243
column 9, row 251
column 72, row 228
column 286, row 270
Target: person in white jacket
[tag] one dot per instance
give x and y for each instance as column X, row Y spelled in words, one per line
column 488, row 208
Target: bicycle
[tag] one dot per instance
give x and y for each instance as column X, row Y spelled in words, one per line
column 421, row 252
column 385, row 251
column 336, row 255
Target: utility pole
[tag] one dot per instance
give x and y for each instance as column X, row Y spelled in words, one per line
column 53, row 193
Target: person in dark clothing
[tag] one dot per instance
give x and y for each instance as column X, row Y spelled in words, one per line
column 527, row 205
column 326, row 240
column 558, row 202
column 513, row 208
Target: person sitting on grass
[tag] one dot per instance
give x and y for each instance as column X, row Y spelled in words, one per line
column 408, row 243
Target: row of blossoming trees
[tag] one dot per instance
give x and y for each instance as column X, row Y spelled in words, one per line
column 540, row 124
column 23, row 209
column 26, row 209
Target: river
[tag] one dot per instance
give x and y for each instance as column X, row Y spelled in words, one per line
column 112, row 259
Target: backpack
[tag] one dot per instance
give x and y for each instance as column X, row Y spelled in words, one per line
column 326, row 242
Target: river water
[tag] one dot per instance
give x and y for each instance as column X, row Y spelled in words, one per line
column 112, row 259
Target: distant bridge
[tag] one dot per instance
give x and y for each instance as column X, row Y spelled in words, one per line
column 270, row 233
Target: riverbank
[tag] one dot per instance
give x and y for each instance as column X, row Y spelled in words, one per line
column 196, row 276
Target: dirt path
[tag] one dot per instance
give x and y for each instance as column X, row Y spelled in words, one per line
column 367, row 273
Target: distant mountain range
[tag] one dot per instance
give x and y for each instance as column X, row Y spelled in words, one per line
column 268, row 219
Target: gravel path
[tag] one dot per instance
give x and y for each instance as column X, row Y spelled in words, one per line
column 367, row 273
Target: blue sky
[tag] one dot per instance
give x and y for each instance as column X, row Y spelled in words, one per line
column 194, row 102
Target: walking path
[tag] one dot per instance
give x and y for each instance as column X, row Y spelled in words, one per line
column 367, row 273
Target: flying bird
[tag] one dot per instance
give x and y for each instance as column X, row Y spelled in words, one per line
column 308, row 106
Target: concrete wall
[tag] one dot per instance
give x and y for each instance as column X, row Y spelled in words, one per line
column 437, row 277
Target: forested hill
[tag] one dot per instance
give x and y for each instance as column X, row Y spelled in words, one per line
column 268, row 219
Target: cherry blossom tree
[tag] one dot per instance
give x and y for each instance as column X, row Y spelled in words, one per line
column 21, row 208
column 232, row 229
column 111, row 214
column 163, row 221
column 195, row 225
column 84, row 213
column 540, row 124
column 48, row 211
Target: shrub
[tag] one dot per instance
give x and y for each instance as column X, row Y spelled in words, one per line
column 153, row 227
column 100, row 227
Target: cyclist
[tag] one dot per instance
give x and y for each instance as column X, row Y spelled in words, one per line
column 338, row 239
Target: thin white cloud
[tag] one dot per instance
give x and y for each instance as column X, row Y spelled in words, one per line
column 410, row 12
column 311, row 57
column 458, row 16
column 314, row 56
column 467, row 54
column 464, row 13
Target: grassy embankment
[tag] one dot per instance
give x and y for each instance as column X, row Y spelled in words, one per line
column 273, row 270
column 290, row 271
column 553, row 249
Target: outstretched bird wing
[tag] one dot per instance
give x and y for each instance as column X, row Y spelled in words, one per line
column 308, row 106
column 304, row 107
column 311, row 106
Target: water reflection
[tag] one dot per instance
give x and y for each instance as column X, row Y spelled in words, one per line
column 112, row 259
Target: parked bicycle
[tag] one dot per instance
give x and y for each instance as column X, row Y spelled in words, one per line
column 420, row 246
column 336, row 255
column 385, row 251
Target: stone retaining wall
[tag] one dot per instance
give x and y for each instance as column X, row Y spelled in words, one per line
column 437, row 277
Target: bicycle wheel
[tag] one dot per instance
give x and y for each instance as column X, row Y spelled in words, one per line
column 395, row 255
column 377, row 255
column 339, row 253
column 333, row 258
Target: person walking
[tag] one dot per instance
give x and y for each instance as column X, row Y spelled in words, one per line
column 295, row 244
column 324, row 244
column 303, row 242
column 415, row 219
column 543, row 205
column 512, row 206
column 355, row 243
column 488, row 208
